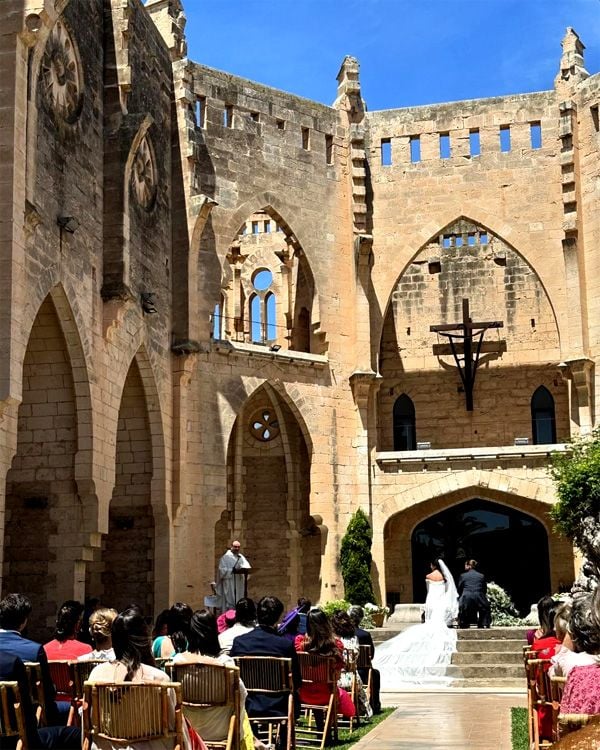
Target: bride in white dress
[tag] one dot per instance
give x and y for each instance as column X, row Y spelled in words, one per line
column 420, row 654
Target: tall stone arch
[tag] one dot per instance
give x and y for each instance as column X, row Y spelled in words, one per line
column 45, row 511
column 466, row 260
column 268, row 498
column 134, row 561
column 400, row 516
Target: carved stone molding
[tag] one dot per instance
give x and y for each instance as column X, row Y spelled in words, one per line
column 61, row 74
column 363, row 382
column 144, row 176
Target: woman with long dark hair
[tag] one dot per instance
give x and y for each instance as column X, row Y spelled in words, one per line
column 65, row 645
column 178, row 625
column 319, row 639
column 134, row 663
column 203, row 648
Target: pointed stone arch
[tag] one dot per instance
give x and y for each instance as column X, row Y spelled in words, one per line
column 518, row 242
column 268, row 487
column 245, row 389
column 400, row 515
column 44, row 503
column 134, row 560
column 465, row 259
column 222, row 248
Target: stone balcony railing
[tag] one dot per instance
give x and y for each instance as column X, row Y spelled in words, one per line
column 501, row 454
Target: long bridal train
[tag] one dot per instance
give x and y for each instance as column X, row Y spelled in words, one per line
column 420, row 655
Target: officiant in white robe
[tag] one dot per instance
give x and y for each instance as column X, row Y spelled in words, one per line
column 230, row 585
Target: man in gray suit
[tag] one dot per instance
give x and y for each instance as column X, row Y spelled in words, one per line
column 473, row 604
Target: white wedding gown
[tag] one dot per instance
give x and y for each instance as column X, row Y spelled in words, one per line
column 419, row 655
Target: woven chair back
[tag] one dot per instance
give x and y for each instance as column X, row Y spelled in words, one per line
column 265, row 674
column 132, row 712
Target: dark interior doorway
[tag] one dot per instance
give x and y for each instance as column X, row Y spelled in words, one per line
column 511, row 548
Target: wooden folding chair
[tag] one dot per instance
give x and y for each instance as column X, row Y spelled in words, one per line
column 568, row 723
column 557, row 686
column 63, row 677
column 317, row 669
column 538, row 683
column 129, row 712
column 82, row 672
column 270, row 676
column 12, row 715
column 364, row 666
column 349, row 682
column 36, row 690
column 209, row 691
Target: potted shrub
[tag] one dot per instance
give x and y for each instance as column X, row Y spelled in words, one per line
column 377, row 613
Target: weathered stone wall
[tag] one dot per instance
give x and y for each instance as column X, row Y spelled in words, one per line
column 161, row 161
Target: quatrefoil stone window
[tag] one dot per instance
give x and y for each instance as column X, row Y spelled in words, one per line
column 61, row 75
column 144, row 175
column 264, row 425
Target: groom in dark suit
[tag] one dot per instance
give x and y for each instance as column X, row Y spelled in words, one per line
column 473, row 603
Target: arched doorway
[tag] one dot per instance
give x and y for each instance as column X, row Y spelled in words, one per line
column 268, row 500
column 511, row 547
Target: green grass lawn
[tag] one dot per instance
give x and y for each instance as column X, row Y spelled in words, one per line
column 520, row 735
column 346, row 739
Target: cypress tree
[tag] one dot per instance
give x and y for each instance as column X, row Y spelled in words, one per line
column 355, row 558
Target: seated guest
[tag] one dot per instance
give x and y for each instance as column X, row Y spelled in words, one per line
column 264, row 641
column 582, row 688
column 225, row 621
column 343, row 628
column 134, row 663
column 574, row 627
column 366, row 639
column 12, row 669
column 294, row 622
column 203, row 648
column 160, row 626
column 319, row 639
column 545, row 641
column 65, row 646
column 92, row 603
column 245, row 620
column 178, row 625
column 14, row 613
column 100, row 625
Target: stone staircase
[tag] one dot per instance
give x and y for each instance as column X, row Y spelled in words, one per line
column 490, row 658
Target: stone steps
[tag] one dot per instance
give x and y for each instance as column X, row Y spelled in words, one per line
column 490, row 646
column 465, row 658
column 489, row 658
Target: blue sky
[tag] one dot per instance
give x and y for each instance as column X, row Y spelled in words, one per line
column 411, row 51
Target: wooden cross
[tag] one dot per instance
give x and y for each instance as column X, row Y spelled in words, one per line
column 466, row 344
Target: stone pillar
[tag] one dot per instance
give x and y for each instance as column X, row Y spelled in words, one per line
column 579, row 375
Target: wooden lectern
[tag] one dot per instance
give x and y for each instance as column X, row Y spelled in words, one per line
column 242, row 572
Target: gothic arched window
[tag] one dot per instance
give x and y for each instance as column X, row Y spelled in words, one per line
column 405, row 435
column 543, row 420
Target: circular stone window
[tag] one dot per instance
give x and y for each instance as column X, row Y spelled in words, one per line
column 264, row 425
column 61, row 75
column 262, row 280
column 144, row 175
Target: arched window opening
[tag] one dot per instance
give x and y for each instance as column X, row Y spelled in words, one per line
column 270, row 317
column 543, row 419
column 405, row 436
column 256, row 319
column 217, row 322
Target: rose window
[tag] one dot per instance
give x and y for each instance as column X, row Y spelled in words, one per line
column 143, row 175
column 60, row 74
column 264, row 425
